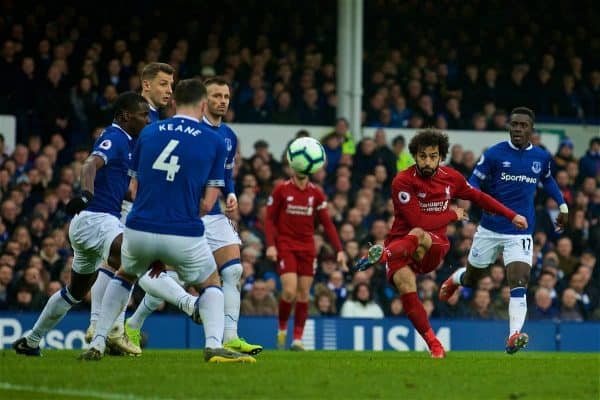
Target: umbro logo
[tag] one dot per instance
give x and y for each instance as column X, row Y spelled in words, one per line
column 506, row 164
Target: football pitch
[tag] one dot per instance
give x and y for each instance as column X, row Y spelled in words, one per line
column 183, row 374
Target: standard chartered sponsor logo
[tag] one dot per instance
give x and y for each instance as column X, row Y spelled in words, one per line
column 517, row 178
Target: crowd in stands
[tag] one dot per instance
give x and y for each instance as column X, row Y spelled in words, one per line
column 61, row 70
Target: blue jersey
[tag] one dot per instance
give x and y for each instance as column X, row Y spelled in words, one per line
column 115, row 147
column 154, row 114
column 173, row 162
column 230, row 139
column 511, row 176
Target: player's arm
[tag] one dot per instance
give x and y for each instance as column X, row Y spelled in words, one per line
column 90, row 167
column 274, row 205
column 487, row 202
column 553, row 191
column 229, row 188
column 216, row 179
column 481, row 171
column 407, row 205
column 330, row 231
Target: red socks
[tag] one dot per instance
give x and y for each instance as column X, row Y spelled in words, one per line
column 418, row 316
column 300, row 317
column 285, row 310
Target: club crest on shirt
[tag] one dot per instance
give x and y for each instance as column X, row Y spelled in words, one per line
column 536, row 167
column 228, row 144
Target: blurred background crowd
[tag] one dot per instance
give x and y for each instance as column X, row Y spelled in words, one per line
column 62, row 68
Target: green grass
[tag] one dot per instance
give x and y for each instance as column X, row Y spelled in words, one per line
column 309, row 375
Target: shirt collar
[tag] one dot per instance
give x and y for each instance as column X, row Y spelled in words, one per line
column 516, row 148
column 152, row 108
column 122, row 130
column 186, row 117
column 208, row 122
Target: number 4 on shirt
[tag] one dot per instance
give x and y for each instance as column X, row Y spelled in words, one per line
column 170, row 167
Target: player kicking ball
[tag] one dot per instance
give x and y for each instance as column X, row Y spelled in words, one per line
column 512, row 171
column 417, row 242
column 290, row 230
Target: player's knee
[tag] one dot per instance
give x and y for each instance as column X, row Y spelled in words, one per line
column 419, row 233
column 232, row 274
column 288, row 295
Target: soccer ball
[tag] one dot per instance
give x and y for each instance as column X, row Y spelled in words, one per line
column 306, row 155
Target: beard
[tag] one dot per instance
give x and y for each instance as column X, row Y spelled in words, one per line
column 426, row 172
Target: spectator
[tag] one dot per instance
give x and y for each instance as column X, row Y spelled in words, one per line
column 362, row 304
column 259, row 301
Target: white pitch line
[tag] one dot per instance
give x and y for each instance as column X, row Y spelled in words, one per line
column 73, row 392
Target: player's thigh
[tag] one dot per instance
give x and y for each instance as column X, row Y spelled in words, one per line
column 220, row 232
column 485, row 248
column 138, row 251
column 306, row 264
column 286, row 263
column 517, row 248
column 91, row 236
column 434, row 257
column 191, row 256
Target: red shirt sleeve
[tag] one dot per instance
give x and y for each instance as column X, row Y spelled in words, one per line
column 483, row 200
column 323, row 213
column 407, row 207
column 273, row 209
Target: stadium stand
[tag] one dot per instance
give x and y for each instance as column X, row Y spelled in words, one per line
column 61, row 69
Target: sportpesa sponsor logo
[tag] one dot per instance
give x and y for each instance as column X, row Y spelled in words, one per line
column 517, row 178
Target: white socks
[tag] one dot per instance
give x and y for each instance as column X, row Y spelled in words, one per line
column 97, row 292
column 517, row 309
column 212, row 314
column 115, row 299
column 56, row 308
column 167, row 288
column 231, row 275
column 457, row 275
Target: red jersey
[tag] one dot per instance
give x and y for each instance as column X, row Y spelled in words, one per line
column 290, row 223
column 424, row 202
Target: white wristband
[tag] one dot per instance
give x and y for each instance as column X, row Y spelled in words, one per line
column 564, row 209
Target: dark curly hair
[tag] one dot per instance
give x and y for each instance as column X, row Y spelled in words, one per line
column 429, row 137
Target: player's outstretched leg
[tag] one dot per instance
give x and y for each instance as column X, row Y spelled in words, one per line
column 231, row 272
column 451, row 284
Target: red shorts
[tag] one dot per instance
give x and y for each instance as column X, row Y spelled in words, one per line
column 430, row 262
column 296, row 262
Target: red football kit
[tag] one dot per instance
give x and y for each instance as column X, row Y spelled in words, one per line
column 290, row 226
column 424, row 202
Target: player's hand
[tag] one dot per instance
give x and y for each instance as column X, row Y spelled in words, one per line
column 79, row 203
column 231, row 204
column 272, row 253
column 520, row 222
column 342, row 261
column 461, row 214
column 562, row 221
column 157, row 267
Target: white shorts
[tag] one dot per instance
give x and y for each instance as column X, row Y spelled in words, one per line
column 488, row 244
column 125, row 209
column 91, row 235
column 219, row 232
column 190, row 255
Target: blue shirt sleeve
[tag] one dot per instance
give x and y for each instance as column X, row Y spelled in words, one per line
column 216, row 177
column 229, row 164
column 481, row 171
column 107, row 147
column 135, row 159
column 549, row 183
